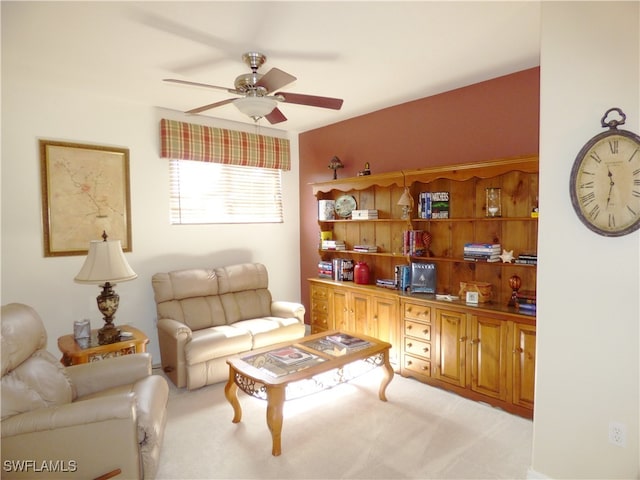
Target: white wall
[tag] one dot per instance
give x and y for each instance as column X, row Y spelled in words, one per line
column 32, row 110
column 588, row 285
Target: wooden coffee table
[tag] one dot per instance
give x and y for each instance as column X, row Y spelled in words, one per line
column 260, row 375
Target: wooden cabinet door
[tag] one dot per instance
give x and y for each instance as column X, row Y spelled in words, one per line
column 339, row 310
column 385, row 324
column 524, row 364
column 360, row 313
column 451, row 338
column 488, row 356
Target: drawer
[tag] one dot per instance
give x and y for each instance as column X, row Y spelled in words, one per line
column 417, row 330
column 417, row 347
column 413, row 364
column 320, row 318
column 417, row 312
column 319, row 293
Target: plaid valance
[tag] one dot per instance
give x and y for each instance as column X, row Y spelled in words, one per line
column 187, row 141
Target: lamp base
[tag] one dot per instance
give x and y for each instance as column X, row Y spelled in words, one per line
column 108, row 334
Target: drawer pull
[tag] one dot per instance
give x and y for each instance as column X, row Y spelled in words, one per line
column 409, row 344
column 425, row 349
column 425, row 331
column 425, row 368
column 409, row 327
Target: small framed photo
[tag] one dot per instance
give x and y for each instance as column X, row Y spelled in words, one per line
column 472, row 297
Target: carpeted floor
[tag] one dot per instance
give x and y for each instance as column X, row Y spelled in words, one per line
column 345, row 432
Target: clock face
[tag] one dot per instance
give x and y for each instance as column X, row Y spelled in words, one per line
column 605, row 183
column 345, row 204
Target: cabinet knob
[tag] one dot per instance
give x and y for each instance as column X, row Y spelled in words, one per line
column 518, row 350
column 425, row 331
column 463, row 339
column 409, row 327
column 474, row 341
column 409, row 362
column 425, row 368
column 409, row 344
column 425, row 349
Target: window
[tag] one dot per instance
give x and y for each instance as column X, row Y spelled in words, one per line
column 206, row 192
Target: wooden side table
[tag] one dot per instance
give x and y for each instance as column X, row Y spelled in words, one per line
column 73, row 353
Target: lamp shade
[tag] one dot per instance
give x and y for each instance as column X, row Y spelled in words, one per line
column 255, row 107
column 406, row 200
column 105, row 263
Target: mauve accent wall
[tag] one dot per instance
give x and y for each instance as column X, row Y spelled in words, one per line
column 492, row 119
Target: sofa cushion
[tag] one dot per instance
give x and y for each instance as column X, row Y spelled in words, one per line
column 269, row 330
column 246, row 305
column 243, row 276
column 216, row 342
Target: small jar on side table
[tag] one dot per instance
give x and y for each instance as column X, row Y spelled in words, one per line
column 73, row 353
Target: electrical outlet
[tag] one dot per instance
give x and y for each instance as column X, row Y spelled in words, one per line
column 618, row 434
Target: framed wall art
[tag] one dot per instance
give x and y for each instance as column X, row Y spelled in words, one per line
column 85, row 191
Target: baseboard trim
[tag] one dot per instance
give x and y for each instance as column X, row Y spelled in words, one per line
column 533, row 475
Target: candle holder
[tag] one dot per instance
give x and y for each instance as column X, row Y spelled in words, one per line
column 493, row 202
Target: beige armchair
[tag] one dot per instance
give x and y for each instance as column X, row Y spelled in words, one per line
column 84, row 421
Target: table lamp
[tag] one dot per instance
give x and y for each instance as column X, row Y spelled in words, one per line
column 105, row 265
column 406, row 202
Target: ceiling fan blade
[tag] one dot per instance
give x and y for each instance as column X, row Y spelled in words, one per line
column 210, row 106
column 274, row 79
column 196, row 84
column 276, row 116
column 311, row 100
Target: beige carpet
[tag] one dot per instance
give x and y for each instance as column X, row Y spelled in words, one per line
column 345, row 432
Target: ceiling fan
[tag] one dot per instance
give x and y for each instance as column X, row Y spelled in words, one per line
column 257, row 100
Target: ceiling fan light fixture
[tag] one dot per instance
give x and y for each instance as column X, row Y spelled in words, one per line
column 255, row 107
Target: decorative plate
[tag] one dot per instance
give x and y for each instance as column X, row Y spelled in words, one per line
column 345, row 204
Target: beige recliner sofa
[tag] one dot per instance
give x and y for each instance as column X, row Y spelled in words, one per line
column 85, row 421
column 206, row 315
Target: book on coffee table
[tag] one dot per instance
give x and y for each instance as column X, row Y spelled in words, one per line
column 347, row 341
column 290, row 355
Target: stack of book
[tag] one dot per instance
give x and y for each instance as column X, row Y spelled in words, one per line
column 348, row 342
column 526, row 301
column 482, row 252
column 364, row 214
column 365, row 248
column 386, row 283
column 527, row 258
column 325, row 269
column 333, row 245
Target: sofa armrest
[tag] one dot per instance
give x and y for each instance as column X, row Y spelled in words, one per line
column 91, row 437
column 88, row 378
column 176, row 330
column 284, row 309
column 82, row 413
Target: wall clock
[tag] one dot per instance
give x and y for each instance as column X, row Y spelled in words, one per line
column 345, row 204
column 605, row 180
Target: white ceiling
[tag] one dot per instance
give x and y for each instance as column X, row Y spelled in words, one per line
column 371, row 54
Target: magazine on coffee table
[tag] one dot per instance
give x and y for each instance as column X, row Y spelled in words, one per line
column 290, row 355
column 347, row 341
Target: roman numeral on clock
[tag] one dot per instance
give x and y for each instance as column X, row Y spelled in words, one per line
column 613, row 146
column 587, row 199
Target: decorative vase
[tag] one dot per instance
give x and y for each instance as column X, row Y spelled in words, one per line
column 361, row 273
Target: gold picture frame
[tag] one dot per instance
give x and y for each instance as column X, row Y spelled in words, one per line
column 85, row 191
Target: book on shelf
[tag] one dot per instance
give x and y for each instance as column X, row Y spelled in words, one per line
column 439, row 204
column 365, row 248
column 403, row 277
column 424, row 205
column 482, row 258
column 364, row 214
column 342, row 269
column 413, row 243
column 527, row 259
column 423, row 277
column 386, row 283
column 333, row 245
